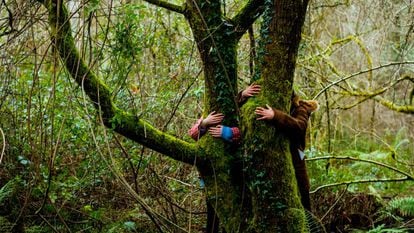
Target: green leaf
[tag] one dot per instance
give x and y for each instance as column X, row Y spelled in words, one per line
column 130, row 226
column 92, row 6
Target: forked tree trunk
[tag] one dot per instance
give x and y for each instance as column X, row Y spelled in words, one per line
column 253, row 187
column 250, row 185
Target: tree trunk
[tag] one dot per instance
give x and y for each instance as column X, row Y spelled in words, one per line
column 251, row 186
column 253, row 190
column 217, row 43
column 276, row 203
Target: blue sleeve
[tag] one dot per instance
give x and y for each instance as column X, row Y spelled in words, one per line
column 226, row 133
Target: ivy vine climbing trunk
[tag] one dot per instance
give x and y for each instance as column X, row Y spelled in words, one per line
column 275, row 202
column 217, row 39
column 251, row 186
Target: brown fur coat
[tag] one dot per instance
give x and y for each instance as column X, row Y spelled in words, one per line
column 294, row 127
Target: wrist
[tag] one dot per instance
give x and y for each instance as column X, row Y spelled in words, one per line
column 244, row 94
column 203, row 123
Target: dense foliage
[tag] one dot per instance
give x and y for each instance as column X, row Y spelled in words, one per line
column 63, row 171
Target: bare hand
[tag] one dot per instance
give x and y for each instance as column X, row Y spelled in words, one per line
column 251, row 90
column 215, row 131
column 212, row 119
column 265, row 113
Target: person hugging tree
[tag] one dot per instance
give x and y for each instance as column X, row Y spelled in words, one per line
column 212, row 123
column 294, row 127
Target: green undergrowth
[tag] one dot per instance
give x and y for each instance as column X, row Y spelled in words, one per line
column 394, row 150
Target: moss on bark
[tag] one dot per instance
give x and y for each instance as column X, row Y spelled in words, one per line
column 99, row 93
column 271, row 177
column 258, row 175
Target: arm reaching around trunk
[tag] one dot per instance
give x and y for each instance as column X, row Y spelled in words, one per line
column 250, row 91
column 294, row 127
column 229, row 134
column 291, row 125
column 201, row 126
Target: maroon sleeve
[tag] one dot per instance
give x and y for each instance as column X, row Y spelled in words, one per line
column 236, row 135
column 197, row 130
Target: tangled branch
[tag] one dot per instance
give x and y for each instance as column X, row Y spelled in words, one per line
column 360, row 73
column 408, row 177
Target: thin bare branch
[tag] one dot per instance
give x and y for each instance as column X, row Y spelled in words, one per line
column 4, row 144
column 409, row 176
column 335, row 203
column 10, row 19
column 360, row 182
column 252, row 56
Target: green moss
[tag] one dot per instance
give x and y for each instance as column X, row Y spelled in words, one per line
column 409, row 109
column 122, row 122
column 296, row 216
column 271, row 177
column 269, row 172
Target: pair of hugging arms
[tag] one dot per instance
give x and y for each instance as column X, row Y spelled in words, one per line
column 293, row 125
column 212, row 123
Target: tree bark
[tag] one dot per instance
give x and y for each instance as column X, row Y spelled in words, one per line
column 251, row 186
column 276, row 204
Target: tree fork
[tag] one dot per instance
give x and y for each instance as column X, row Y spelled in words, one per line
column 272, row 189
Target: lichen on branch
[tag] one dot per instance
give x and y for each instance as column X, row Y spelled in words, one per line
column 120, row 121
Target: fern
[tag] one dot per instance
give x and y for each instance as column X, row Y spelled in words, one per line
column 382, row 229
column 315, row 225
column 7, row 190
column 5, row 225
column 402, row 206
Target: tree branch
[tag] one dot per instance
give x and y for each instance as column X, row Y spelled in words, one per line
column 360, row 182
column 4, row 145
column 359, row 73
column 167, row 5
column 409, row 176
column 121, row 122
column 409, row 109
column 246, row 17
column 10, row 19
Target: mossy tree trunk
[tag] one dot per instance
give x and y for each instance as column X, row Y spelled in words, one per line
column 251, row 186
column 275, row 202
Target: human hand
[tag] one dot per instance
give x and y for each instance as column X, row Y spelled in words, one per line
column 215, row 131
column 265, row 113
column 212, row 119
column 251, row 90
